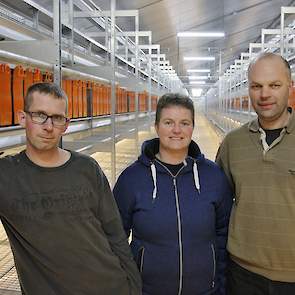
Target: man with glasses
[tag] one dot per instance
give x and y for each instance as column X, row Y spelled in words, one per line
column 58, row 210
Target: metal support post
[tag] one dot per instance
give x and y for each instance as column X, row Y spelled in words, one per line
column 71, row 23
column 36, row 19
column 57, row 41
column 150, row 82
column 137, row 78
column 113, row 93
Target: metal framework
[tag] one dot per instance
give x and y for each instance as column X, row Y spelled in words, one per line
column 228, row 104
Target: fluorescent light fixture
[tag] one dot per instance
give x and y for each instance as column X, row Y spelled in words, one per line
column 197, row 82
column 196, row 91
column 200, row 34
column 199, row 58
column 198, row 77
column 198, row 71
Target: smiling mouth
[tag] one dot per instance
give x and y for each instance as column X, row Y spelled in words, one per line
column 266, row 106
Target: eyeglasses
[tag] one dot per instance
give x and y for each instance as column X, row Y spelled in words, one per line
column 41, row 118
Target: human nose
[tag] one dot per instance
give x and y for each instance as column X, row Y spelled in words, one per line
column 48, row 124
column 176, row 128
column 265, row 92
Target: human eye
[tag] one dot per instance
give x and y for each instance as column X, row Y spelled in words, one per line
column 39, row 116
column 255, row 86
column 167, row 123
column 275, row 85
column 59, row 119
column 185, row 124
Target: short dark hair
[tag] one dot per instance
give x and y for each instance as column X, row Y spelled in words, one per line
column 265, row 55
column 174, row 99
column 45, row 88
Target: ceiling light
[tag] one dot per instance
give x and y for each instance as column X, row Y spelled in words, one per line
column 197, row 82
column 198, row 77
column 200, row 34
column 199, row 58
column 198, row 71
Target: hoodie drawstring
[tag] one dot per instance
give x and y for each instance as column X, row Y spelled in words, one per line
column 154, row 176
column 196, row 177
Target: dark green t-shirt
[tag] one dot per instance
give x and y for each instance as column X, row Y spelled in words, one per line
column 64, row 229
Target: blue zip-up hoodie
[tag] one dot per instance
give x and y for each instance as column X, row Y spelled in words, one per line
column 179, row 223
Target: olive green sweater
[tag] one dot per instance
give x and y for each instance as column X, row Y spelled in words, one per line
column 262, row 226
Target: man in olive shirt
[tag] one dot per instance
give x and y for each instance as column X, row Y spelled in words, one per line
column 58, row 211
column 259, row 160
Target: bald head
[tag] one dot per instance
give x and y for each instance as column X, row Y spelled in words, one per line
column 270, row 56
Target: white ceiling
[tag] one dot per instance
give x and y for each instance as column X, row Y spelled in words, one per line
column 241, row 21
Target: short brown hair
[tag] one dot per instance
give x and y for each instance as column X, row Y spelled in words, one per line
column 45, row 88
column 174, row 99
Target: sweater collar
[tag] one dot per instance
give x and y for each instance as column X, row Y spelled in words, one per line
column 254, row 124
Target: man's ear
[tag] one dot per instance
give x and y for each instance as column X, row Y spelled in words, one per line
column 22, row 118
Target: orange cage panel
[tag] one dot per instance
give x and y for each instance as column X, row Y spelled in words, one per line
column 245, row 103
column 89, row 109
column 67, row 87
column 80, row 99
column 18, row 91
column 108, row 100
column 141, row 102
column 96, row 93
column 84, row 98
column 5, row 95
column 75, row 99
column 117, row 94
column 118, row 100
column 124, row 101
column 94, row 99
column 105, row 100
column 131, row 101
column 99, row 95
column 37, row 76
column 146, row 104
column 47, row 77
column 28, row 79
column 100, row 100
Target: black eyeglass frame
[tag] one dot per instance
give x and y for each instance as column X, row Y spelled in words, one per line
column 52, row 117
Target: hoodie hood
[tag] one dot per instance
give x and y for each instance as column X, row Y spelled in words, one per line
column 148, row 158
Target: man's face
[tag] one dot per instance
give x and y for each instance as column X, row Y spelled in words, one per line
column 175, row 129
column 269, row 89
column 43, row 137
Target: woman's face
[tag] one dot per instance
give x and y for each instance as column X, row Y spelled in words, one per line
column 175, row 129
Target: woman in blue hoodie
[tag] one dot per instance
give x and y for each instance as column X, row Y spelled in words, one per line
column 177, row 204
